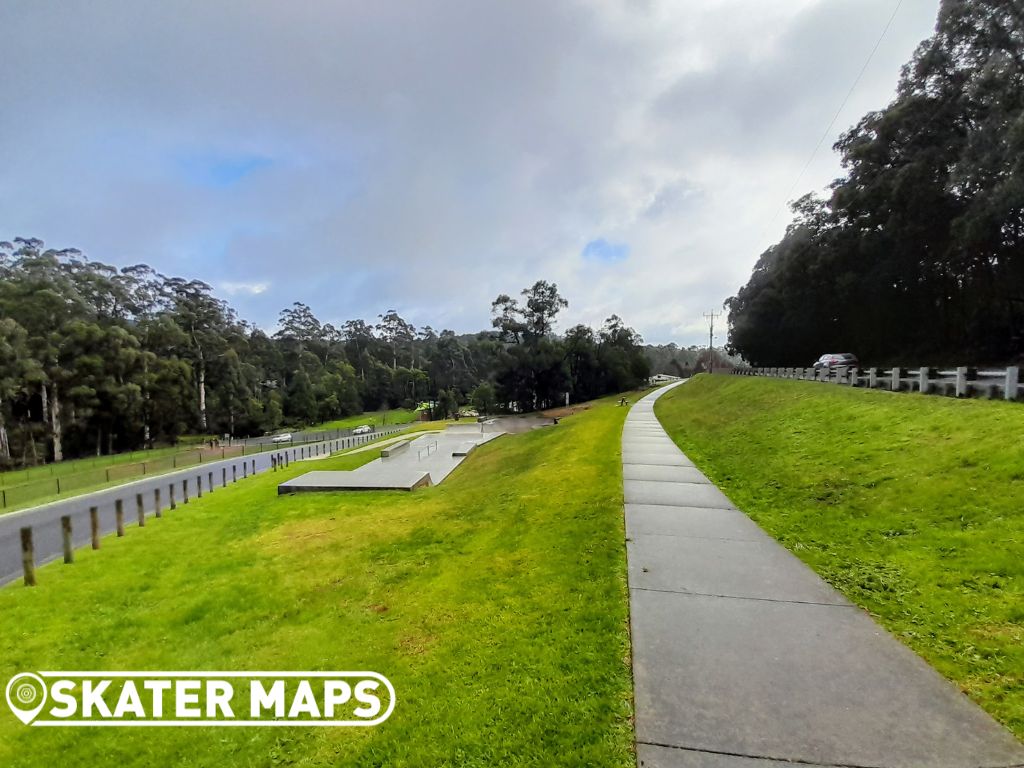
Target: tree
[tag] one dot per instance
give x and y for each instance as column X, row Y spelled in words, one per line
column 483, row 398
column 919, row 251
column 446, row 404
column 543, row 303
column 395, row 332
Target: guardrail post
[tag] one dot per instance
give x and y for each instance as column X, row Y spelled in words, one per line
column 894, row 385
column 119, row 516
column 65, row 530
column 923, row 381
column 1012, row 383
column 140, row 510
column 94, row 526
column 28, row 559
column 961, row 381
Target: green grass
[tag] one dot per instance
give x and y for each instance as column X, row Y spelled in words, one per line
column 912, row 506
column 373, row 418
column 495, row 603
column 72, row 466
column 13, row 477
column 80, row 476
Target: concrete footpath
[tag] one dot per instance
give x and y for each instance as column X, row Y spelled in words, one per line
column 744, row 658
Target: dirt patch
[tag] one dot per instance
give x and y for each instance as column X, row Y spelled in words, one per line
column 561, row 413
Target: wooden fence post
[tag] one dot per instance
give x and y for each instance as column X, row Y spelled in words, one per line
column 223, row 477
column 199, row 486
column 170, row 495
column 1012, row 382
column 254, row 466
column 184, row 491
column 234, row 473
column 894, row 385
column 210, row 478
column 245, row 469
column 157, row 512
column 65, row 529
column 28, row 559
column 94, row 526
column 119, row 516
column 872, row 378
column 140, row 510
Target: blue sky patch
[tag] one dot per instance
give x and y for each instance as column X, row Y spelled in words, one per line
column 604, row 252
column 212, row 170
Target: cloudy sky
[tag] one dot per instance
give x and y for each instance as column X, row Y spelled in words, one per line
column 426, row 156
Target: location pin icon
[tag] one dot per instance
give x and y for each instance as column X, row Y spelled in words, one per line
column 26, row 695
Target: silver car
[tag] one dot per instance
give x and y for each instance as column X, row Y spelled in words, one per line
column 836, row 359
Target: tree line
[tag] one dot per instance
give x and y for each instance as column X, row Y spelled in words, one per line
column 918, row 252
column 96, row 359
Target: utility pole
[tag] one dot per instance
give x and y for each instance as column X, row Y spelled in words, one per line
column 710, row 317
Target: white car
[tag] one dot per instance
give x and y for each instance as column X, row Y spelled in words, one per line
column 362, row 430
column 283, row 438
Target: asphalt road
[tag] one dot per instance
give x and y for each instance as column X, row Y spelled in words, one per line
column 45, row 520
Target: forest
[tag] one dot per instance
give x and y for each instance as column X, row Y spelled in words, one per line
column 96, row 360
column 916, row 257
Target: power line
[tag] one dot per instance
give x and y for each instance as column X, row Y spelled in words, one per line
column 835, row 117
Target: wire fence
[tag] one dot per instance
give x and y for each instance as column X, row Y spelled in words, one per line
column 19, row 494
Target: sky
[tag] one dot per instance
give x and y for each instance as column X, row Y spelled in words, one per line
column 427, row 156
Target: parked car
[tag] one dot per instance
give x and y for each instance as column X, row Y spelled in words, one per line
column 284, row 437
column 836, row 359
column 362, row 429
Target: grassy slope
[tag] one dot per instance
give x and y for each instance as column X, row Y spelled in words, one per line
column 495, row 603
column 35, row 500
column 912, row 506
column 400, row 416
column 15, row 477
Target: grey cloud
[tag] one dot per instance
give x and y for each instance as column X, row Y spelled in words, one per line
column 428, row 156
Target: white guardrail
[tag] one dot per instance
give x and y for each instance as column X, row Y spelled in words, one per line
column 951, row 382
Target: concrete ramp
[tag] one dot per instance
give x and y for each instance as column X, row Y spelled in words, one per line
column 387, row 480
column 417, row 463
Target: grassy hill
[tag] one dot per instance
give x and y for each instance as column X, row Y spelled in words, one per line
column 912, row 506
column 495, row 603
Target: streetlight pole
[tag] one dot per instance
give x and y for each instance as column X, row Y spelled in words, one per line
column 710, row 317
